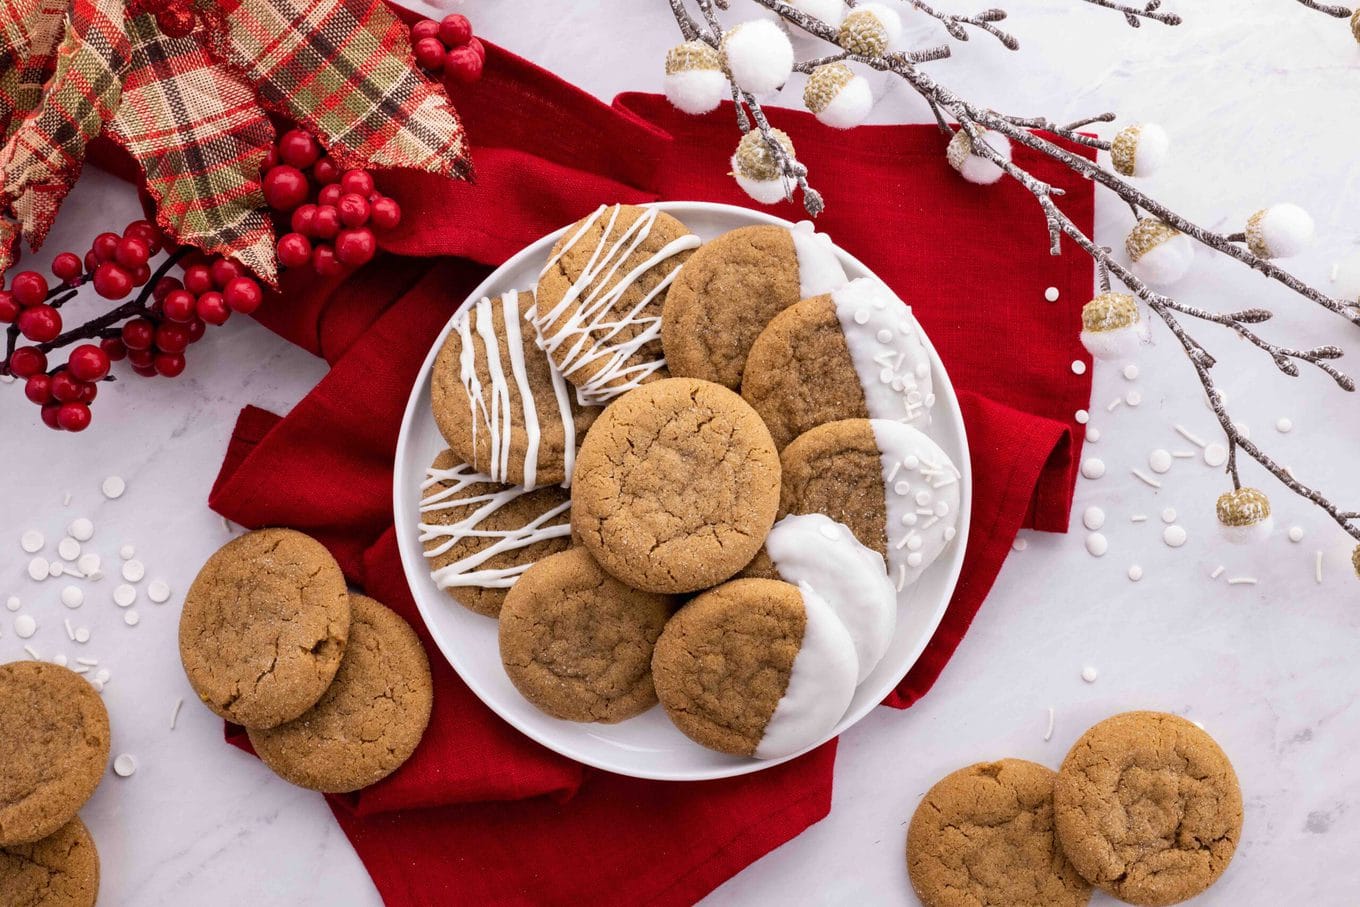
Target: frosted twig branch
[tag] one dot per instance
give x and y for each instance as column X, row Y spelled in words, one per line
column 1327, row 9
column 954, row 25
column 1134, row 15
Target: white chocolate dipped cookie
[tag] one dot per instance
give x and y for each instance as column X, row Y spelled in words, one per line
column 893, row 486
column 499, row 402
column 600, row 296
column 755, row 667
column 854, row 353
column 731, row 288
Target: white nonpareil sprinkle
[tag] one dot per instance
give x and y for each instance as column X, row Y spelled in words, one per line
column 1218, row 571
column 1019, row 544
column 124, row 595
column 1135, row 573
column 25, row 626
column 1138, row 518
column 102, row 675
column 1048, row 732
column 1145, row 478
column 1241, row 581
column 133, row 571
column 113, row 487
column 158, row 591
column 1051, row 294
column 82, row 635
column 1160, row 461
column 69, row 549
column 1133, row 398
column 32, row 541
column 1093, row 518
column 1093, row 434
column 55, row 569
column 88, row 564
column 1082, row 417
column 124, row 765
column 1296, row 533
column 1131, row 372
column 1093, row 467
column 1215, row 455
column 1174, row 536
column 1284, row 425
column 127, row 552
column 1078, row 367
column 13, row 603
column 72, row 597
column 38, row 569
column 131, row 617
column 1169, row 515
column 81, row 529
column 1089, row 674
column 1192, row 438
column 1097, row 545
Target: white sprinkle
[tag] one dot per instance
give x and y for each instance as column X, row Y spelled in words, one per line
column 1215, row 455
column 1093, row 467
column 1130, row 372
column 131, row 617
column 1051, row 294
column 102, row 675
column 66, row 499
column 1048, row 732
column 133, row 571
column 1093, row 434
column 1241, row 581
column 88, row 662
column 1187, row 435
column 55, row 569
column 1169, row 515
column 1078, row 367
column 1183, row 454
column 72, row 597
column 81, row 529
column 1147, row 479
column 174, row 713
column 69, row 549
column 127, row 552
column 1082, row 417
column 124, row 765
column 70, row 632
column 1093, row 517
column 32, row 653
column 59, row 659
column 1089, row 674
column 25, row 626
column 1317, row 568
column 1160, row 461
column 113, row 487
column 88, row 564
column 1138, row 518
column 1019, row 544
column 1133, row 398
column 82, row 635
column 39, row 569
column 124, row 595
column 1114, row 404
column 80, row 669
column 862, row 316
column 13, row 603
column 1174, row 536
column 32, row 541
column 1284, row 425
column 1296, row 533
column 901, row 577
column 1135, row 572
column 1096, row 545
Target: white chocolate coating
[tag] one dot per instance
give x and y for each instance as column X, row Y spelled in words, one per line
column 886, row 350
column 921, row 486
column 821, row 683
column 819, row 270
column 814, row 550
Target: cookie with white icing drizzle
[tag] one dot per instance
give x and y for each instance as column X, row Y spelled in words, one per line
column 479, row 535
column 730, row 288
column 600, row 296
column 893, row 486
column 854, row 353
column 499, row 402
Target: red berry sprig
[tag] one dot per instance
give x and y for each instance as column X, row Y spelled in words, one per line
column 447, row 49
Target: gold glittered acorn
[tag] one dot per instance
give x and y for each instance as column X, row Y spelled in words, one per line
column 1279, row 231
column 1355, row 31
column 1355, row 552
column 837, row 96
column 1139, row 149
column 974, row 167
column 694, row 81
column 869, row 30
column 756, row 170
column 1160, row 254
column 1111, row 327
column 1244, row 515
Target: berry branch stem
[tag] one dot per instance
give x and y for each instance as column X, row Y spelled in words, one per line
column 135, row 306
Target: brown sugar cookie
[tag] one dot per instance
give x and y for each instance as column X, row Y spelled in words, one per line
column 1148, row 808
column 983, row 837
column 54, row 743
column 60, row 870
column 264, row 626
column 479, row 535
column 599, row 299
column 893, row 486
column 371, row 717
column 729, row 290
column 577, row 643
column 854, row 353
column 676, row 486
column 499, row 402
column 755, row 667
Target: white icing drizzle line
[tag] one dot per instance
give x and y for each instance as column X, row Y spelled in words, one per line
column 465, row 571
column 885, row 346
column 591, row 322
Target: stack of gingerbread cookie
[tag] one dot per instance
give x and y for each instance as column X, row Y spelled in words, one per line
column 332, row 687
column 690, row 472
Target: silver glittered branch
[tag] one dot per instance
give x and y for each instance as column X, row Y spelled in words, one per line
column 983, row 21
column 1327, row 9
column 1135, row 15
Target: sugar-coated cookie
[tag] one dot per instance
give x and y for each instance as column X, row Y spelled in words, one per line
column 479, row 535
column 676, row 486
column 893, row 486
column 732, row 286
column 54, row 744
column 814, row 550
column 264, row 627
column 854, row 353
column 499, row 402
column 983, row 837
column 371, row 717
column 755, row 667
column 60, row 870
column 577, row 643
column 1148, row 808
column 600, row 297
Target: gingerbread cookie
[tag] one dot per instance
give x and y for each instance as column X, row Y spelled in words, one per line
column 1148, row 808
column 498, row 400
column 54, row 742
column 730, row 289
column 599, row 299
column 814, row 550
column 676, row 486
column 755, row 667
column 264, row 627
column 577, row 643
column 983, row 837
column 893, row 486
column 60, row 870
column 371, row 717
column 855, row 353
column 479, row 535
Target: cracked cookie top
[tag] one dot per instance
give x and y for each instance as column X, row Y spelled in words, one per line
column 1148, row 808
column 676, row 486
column 264, row 627
column 61, row 870
column 983, row 837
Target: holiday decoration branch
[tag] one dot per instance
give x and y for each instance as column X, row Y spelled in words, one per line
column 1339, row 12
column 1133, row 15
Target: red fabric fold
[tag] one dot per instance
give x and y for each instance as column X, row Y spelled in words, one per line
column 481, row 814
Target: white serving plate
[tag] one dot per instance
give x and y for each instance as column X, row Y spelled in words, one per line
column 648, row 746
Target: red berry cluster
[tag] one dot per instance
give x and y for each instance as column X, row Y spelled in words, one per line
column 448, row 47
column 331, row 214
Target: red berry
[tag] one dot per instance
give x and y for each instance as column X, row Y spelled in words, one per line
column 198, row 279
column 74, row 416
column 330, row 194
column 462, row 66
column 146, row 371
column 355, row 247
column 172, row 338
column 88, row 362
column 353, row 209
column 430, row 53
column 65, row 387
column 147, row 232
column 142, row 358
column 66, row 267
column 164, row 287
column 91, row 261
column 477, row 45
column 40, row 323
column 39, row 389
column 180, row 305
column 360, row 181
column 138, row 334
column 9, row 307
column 175, row 21
column 196, row 328
column 425, row 28
column 114, row 349
column 455, row 30
column 384, row 213
column 132, row 252
column 327, row 222
column 325, row 171
column 294, row 250
column 141, row 274
column 29, row 288
column 112, row 281
column 303, row 218
column 27, row 361
column 49, row 415
column 298, row 148
column 224, row 271
column 212, row 308
column 88, row 391
column 271, row 159
column 285, row 188
column 105, row 246
column 243, row 295
column 171, row 365
column 324, row 261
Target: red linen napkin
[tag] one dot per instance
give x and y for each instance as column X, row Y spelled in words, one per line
column 480, row 814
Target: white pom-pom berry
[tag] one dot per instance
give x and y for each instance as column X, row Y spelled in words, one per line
column 758, row 55
column 837, row 96
column 1160, row 254
column 1111, row 327
column 1346, row 278
column 1279, row 231
column 974, row 167
column 1140, row 149
column 757, row 171
column 1244, row 515
column 870, row 30
column 694, row 80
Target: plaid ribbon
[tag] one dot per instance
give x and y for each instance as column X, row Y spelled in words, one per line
column 200, row 136
column 29, row 32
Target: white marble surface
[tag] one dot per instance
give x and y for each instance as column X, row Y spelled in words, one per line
column 1255, row 96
